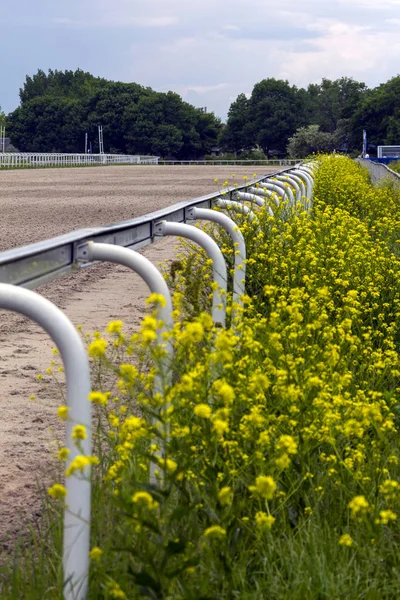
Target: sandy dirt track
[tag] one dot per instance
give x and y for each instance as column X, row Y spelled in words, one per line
column 39, row 204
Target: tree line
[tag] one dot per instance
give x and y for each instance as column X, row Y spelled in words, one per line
column 57, row 109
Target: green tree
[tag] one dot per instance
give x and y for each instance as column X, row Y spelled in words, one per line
column 310, row 140
column 48, row 124
column 59, row 107
column 333, row 101
column 276, row 110
column 379, row 114
column 236, row 137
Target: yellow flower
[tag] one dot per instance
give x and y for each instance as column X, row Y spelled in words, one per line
column 265, row 487
column 203, row 411
column 386, row 516
column 114, row 591
column 359, row 507
column 79, row 432
column 96, row 554
column 264, row 521
column 225, row 496
column 287, row 443
column 215, row 531
column 97, row 349
column 98, row 398
column 144, row 500
column 220, row 427
column 227, row 393
column 79, row 463
column 283, row 461
column 345, row 540
column 57, row 491
column 62, row 413
column 114, row 327
column 157, row 299
column 62, row 454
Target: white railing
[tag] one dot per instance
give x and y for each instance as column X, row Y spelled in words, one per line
column 283, row 162
column 35, row 264
column 23, row 160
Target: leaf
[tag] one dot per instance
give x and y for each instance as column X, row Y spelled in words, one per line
column 145, row 579
column 175, row 548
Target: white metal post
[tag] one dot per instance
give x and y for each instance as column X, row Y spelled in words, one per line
column 213, row 252
column 239, row 245
column 77, row 513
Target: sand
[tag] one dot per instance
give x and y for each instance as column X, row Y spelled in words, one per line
column 39, row 204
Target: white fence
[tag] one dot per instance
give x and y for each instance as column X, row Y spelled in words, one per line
column 15, row 160
column 33, row 265
column 283, row 162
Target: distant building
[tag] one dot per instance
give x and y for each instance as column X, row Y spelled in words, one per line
column 215, row 151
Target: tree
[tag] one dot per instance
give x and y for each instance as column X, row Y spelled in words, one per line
column 235, row 137
column 48, row 125
column 332, row 101
column 276, row 110
column 310, row 140
column 379, row 114
column 58, row 108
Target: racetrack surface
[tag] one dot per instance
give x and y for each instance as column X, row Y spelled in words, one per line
column 39, row 204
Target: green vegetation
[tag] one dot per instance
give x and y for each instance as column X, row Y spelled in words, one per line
column 280, row 470
column 341, row 108
column 395, row 166
column 58, row 108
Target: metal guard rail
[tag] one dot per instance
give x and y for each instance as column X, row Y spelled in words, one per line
column 35, row 264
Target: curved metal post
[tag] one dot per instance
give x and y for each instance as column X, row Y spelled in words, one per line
column 77, row 512
column 292, row 182
column 307, row 170
column 156, row 283
column 300, row 185
column 266, row 193
column 239, row 245
column 142, row 266
column 237, row 207
column 213, row 252
column 254, row 198
column 307, row 179
column 276, row 187
column 288, row 189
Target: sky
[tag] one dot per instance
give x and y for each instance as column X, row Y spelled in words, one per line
column 208, row 51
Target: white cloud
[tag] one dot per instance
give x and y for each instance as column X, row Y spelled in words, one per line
column 204, row 89
column 191, row 47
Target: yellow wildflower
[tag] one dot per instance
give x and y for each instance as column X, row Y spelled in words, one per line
column 98, row 398
column 62, row 454
column 225, row 496
column 79, row 432
column 96, row 554
column 57, row 491
column 265, row 487
column 264, row 521
column 114, row 327
column 97, row 349
column 203, row 411
column 359, row 507
column 215, row 531
column 345, row 540
column 62, row 413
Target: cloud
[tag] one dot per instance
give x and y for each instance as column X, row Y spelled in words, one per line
column 204, row 89
column 209, row 51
